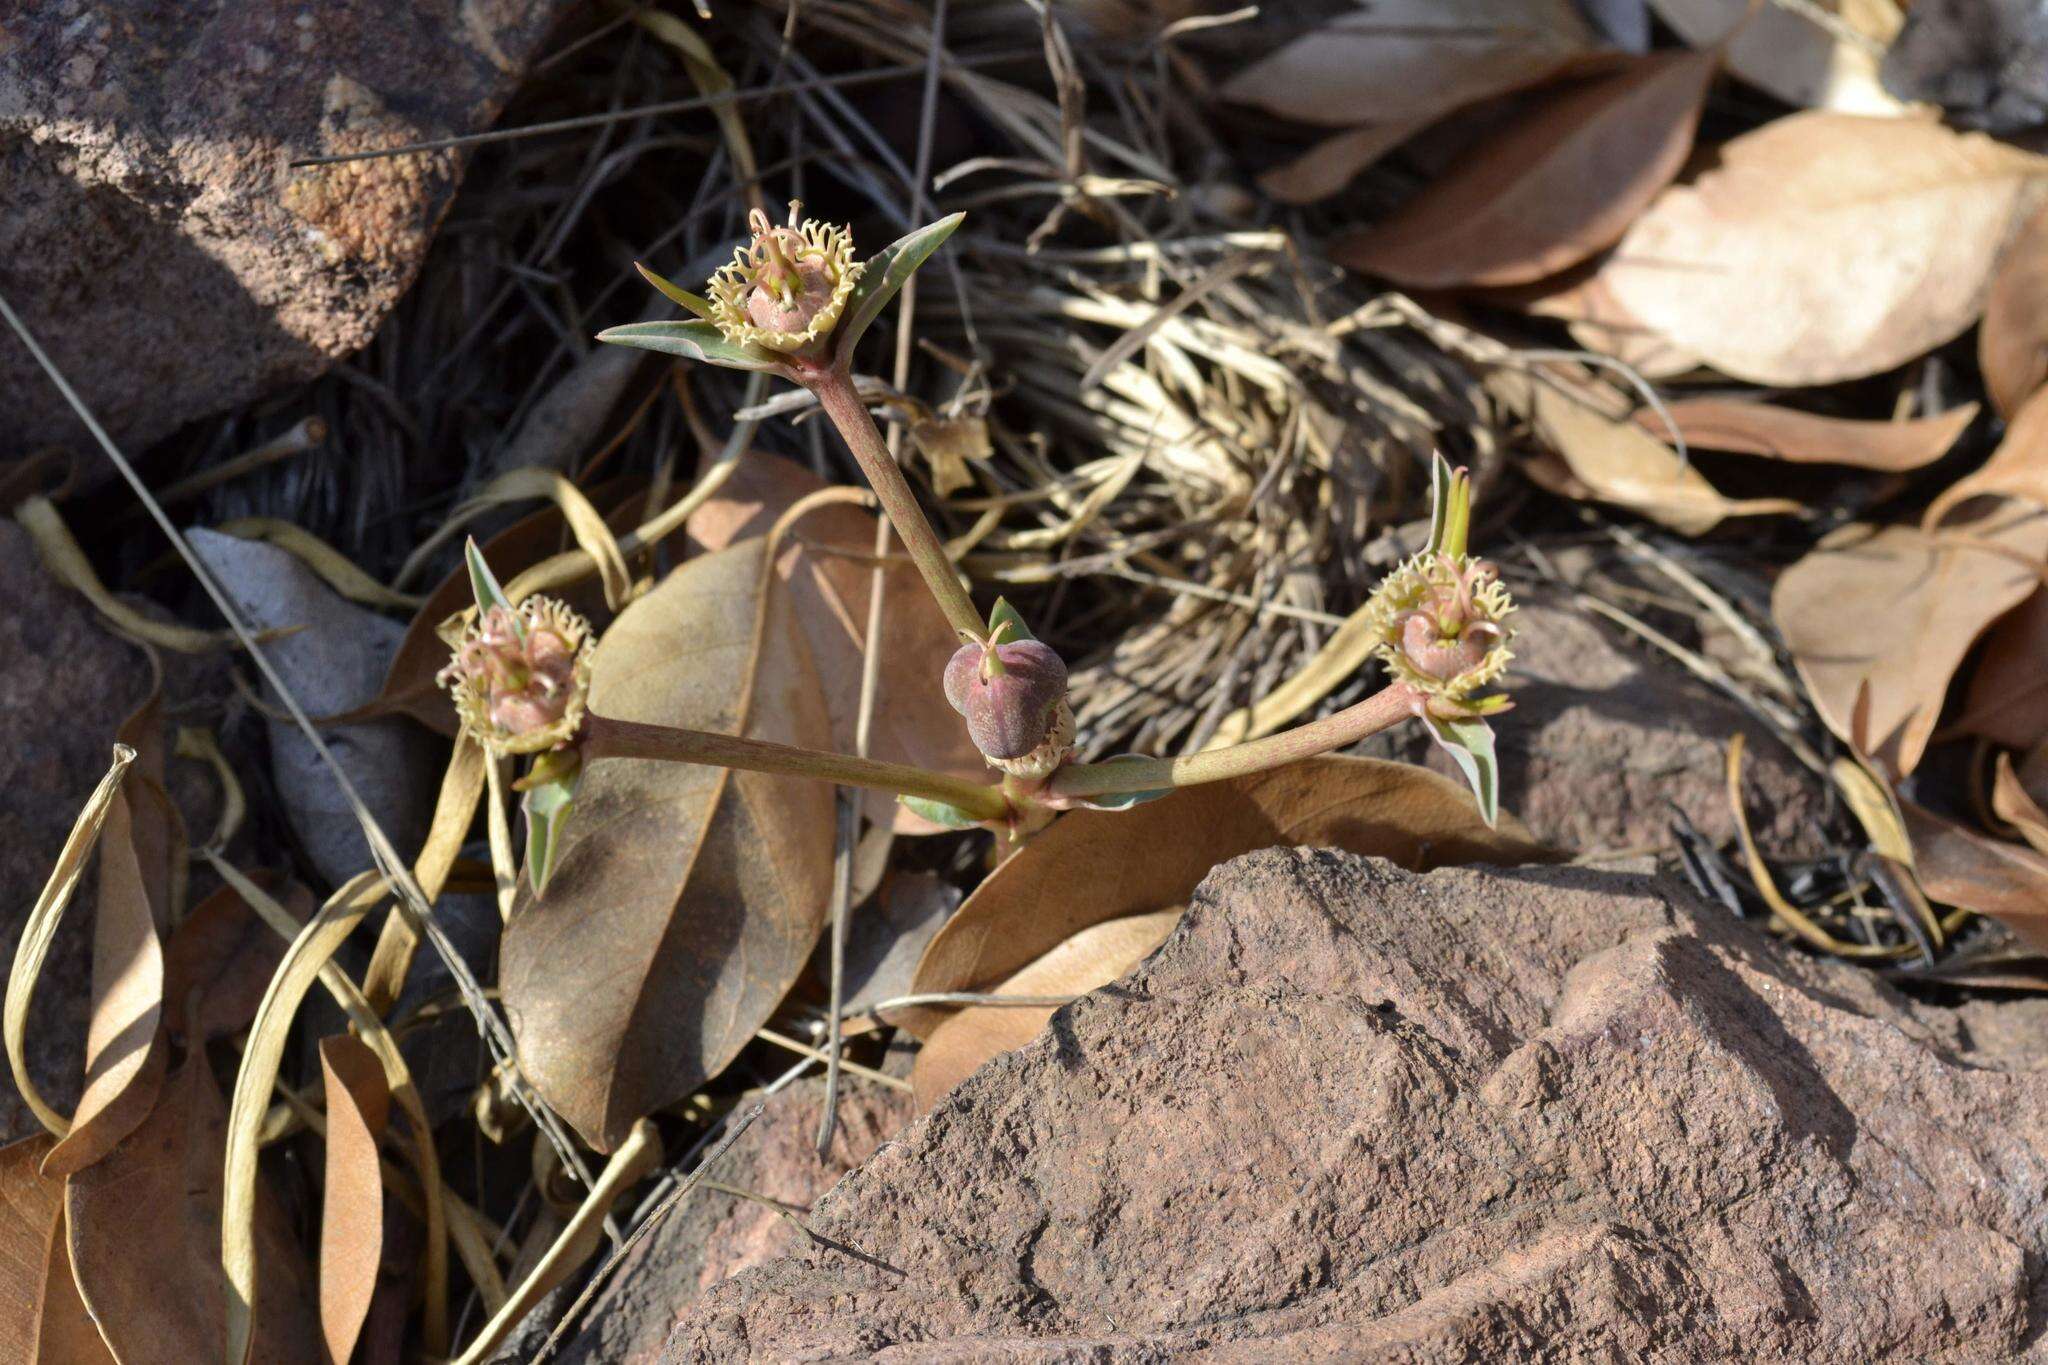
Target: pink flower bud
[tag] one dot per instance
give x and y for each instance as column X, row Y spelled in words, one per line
column 785, row 288
column 519, row 680
column 1009, row 693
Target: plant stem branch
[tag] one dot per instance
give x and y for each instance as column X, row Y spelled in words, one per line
column 606, row 737
column 1382, row 710
column 836, row 395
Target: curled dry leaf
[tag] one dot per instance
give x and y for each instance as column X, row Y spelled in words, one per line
column 827, row 567
column 1093, row 957
column 2017, row 469
column 220, row 960
column 1895, row 609
column 2007, row 701
column 145, row 1239
column 1093, row 866
column 1614, row 460
column 1559, row 186
column 1958, row 866
column 1802, row 255
column 1751, row 428
column 2014, row 804
column 1400, row 60
column 1789, row 52
column 125, row 1048
column 685, row 899
column 352, row 1202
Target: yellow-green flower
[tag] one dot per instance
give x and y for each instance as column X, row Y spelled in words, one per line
column 520, row 677
column 785, row 289
column 1440, row 621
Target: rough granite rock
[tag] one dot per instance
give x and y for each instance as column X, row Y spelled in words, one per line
column 1352, row 1113
column 154, row 236
column 65, row 687
column 1605, row 739
column 717, row 1235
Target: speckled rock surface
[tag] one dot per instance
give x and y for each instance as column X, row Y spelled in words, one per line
column 1351, row 1113
column 153, row 234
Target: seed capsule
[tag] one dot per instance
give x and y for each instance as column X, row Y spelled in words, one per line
column 1009, row 693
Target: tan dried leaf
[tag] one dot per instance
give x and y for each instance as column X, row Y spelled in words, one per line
column 220, row 960
column 145, row 1239
column 1560, row 185
column 1090, row 867
column 1331, row 164
column 1614, row 460
column 1804, row 254
column 352, row 1200
column 1958, row 866
column 2017, row 469
column 2012, row 344
column 1401, row 60
column 2007, row 701
column 1752, row 428
column 2014, row 804
column 685, row 899
column 1897, row 609
column 827, row 567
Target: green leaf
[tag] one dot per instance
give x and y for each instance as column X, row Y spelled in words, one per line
column 548, row 807
column 675, row 293
column 1439, row 499
column 1123, row 800
column 1469, row 741
column 485, row 584
column 884, row 273
column 940, row 812
column 694, row 339
column 1005, row 614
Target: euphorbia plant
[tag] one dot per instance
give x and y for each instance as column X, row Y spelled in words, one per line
column 793, row 302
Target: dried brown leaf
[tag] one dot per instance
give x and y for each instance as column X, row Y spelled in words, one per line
column 1614, row 460
column 1093, row 957
column 1094, row 866
column 220, row 960
column 1752, row 428
column 1584, row 302
column 352, row 1202
column 685, row 899
column 826, row 566
column 1807, row 253
column 1399, row 60
column 2014, row 804
column 2017, row 469
column 1958, row 866
column 42, row 1319
column 145, row 1239
column 1559, row 186
column 1896, row 609
column 2007, row 700
column 2012, row 344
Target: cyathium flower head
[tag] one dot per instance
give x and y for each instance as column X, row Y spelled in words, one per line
column 520, row 677
column 785, row 289
column 1440, row 620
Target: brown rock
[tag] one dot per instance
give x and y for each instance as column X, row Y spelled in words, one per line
column 1605, row 739
column 714, row 1235
column 1352, row 1113
column 155, row 238
column 65, row 687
